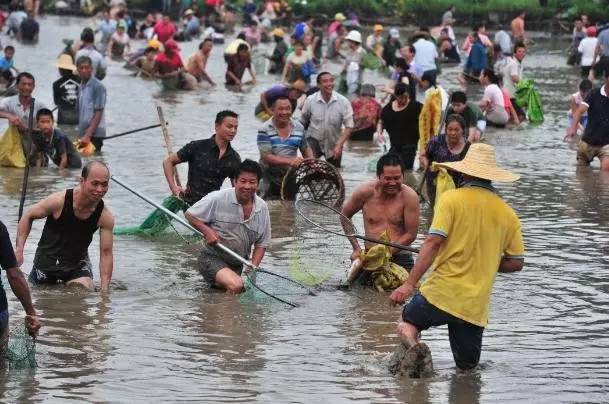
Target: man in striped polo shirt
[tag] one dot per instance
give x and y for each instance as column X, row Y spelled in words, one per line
column 279, row 140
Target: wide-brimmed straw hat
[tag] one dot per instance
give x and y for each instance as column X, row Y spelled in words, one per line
column 65, row 62
column 339, row 17
column 480, row 162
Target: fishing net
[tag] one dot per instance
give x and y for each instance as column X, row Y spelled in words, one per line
column 157, row 221
column 314, row 179
column 20, row 350
column 263, row 286
column 318, row 257
column 527, row 98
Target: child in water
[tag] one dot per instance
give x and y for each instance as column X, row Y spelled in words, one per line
column 585, row 86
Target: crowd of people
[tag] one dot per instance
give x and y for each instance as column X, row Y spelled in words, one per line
column 308, row 114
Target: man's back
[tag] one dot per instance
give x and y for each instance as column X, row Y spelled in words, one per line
column 479, row 228
column 426, row 54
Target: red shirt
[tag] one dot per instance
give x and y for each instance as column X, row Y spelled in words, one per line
column 164, row 31
column 168, row 64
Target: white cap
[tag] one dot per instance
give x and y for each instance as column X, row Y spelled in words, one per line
column 394, row 33
column 354, row 36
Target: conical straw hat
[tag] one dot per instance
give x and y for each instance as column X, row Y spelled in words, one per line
column 480, row 162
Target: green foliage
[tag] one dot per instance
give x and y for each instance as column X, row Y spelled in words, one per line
column 366, row 8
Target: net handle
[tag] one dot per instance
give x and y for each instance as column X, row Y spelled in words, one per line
column 344, row 218
column 192, row 228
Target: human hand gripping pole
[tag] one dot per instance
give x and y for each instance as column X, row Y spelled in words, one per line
column 221, row 246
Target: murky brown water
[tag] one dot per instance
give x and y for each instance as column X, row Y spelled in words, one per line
column 163, row 336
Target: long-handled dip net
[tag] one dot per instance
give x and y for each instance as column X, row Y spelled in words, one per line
column 314, row 179
column 266, row 283
column 20, row 349
column 331, row 220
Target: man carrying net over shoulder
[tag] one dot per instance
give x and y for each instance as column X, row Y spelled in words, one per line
column 387, row 206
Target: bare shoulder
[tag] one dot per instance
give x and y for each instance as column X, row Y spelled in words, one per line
column 365, row 190
column 409, row 195
column 54, row 202
column 106, row 220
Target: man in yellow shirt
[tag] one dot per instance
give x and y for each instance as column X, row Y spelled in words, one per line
column 474, row 235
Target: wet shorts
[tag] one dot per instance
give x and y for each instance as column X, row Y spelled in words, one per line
column 465, row 338
column 586, row 153
column 210, row 262
column 41, row 277
column 3, row 326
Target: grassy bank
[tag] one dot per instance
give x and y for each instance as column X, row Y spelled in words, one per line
column 468, row 11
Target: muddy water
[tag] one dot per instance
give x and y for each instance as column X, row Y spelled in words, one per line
column 163, row 336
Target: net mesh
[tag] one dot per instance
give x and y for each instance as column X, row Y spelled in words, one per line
column 20, row 349
column 314, row 179
column 263, row 286
column 318, row 257
column 156, row 222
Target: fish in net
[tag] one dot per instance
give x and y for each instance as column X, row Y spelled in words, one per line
column 157, row 221
column 20, row 349
column 265, row 286
column 314, row 179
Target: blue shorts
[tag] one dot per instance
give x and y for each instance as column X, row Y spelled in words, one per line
column 465, row 338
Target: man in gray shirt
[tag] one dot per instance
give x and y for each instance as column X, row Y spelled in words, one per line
column 237, row 218
column 328, row 117
column 91, row 105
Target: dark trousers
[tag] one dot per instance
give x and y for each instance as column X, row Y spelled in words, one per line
column 407, row 153
column 317, row 152
column 465, row 338
column 98, row 142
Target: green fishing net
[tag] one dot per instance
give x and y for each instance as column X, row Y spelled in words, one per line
column 263, row 286
column 371, row 61
column 527, row 98
column 156, row 222
column 20, row 351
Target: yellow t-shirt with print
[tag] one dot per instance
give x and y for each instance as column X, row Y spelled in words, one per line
column 479, row 228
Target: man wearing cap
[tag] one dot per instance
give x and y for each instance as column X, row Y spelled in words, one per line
column 339, row 18
column 474, row 235
column 65, row 91
column 193, row 25
column 391, row 46
column 197, row 63
column 595, row 141
column 353, row 69
column 277, row 58
column 328, row 117
column 374, row 41
column 264, row 109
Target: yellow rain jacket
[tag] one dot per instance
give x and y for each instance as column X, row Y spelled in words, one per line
column 429, row 119
column 386, row 275
column 444, row 181
column 11, row 150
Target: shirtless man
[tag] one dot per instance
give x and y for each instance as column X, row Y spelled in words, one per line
column 197, row 63
column 387, row 204
column 72, row 217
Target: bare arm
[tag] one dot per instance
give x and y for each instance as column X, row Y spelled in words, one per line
column 257, row 255
column 308, row 153
column 233, row 77
column 265, row 104
column 508, row 265
column 106, row 257
column 427, row 254
column 93, row 125
column 411, row 218
column 211, row 237
column 274, row 160
column 22, row 291
column 353, row 205
column 64, row 161
column 42, row 209
column 345, row 135
column 572, row 130
column 13, row 120
column 169, row 164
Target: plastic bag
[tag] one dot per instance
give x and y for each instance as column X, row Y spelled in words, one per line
column 11, row 150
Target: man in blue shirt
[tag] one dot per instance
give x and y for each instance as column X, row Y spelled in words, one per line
column 91, row 105
column 6, row 62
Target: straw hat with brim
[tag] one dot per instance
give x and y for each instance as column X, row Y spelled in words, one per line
column 65, row 62
column 278, row 32
column 188, row 12
column 480, row 162
column 339, row 17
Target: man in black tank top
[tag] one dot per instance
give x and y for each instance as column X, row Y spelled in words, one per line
column 72, row 217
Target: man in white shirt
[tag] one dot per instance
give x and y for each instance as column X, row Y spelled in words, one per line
column 587, row 49
column 511, row 71
column 426, row 52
